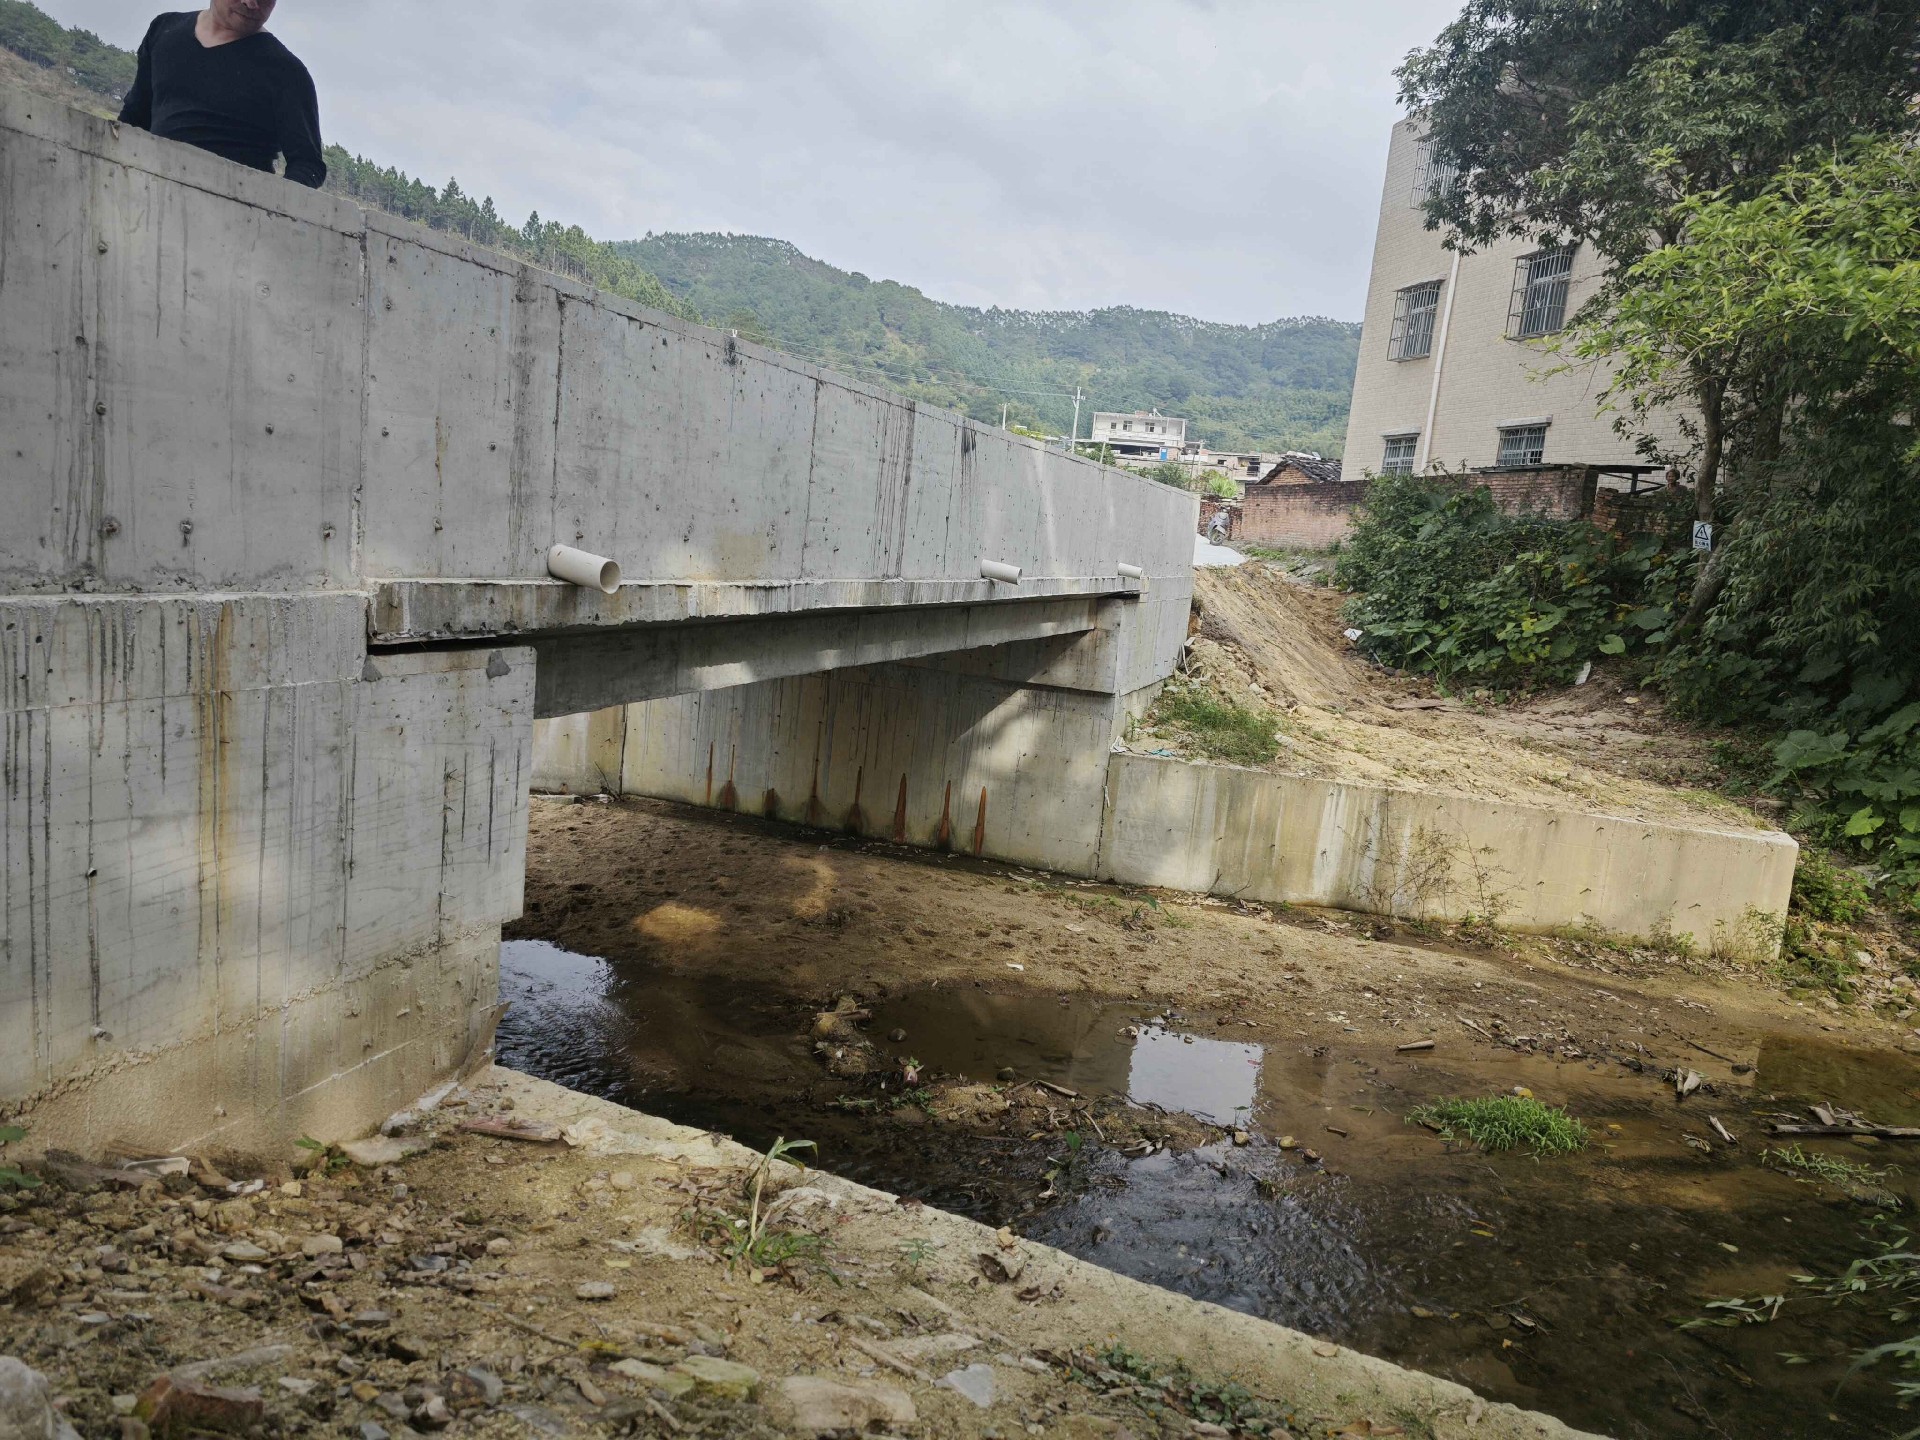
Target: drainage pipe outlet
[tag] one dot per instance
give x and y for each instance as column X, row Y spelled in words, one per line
column 1132, row 572
column 1005, row 574
column 577, row 567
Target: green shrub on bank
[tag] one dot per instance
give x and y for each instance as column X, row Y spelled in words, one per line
column 1451, row 586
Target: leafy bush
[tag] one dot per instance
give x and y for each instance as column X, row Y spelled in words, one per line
column 1823, row 891
column 1218, row 729
column 1452, row 586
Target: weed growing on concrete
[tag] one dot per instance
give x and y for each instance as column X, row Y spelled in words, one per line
column 329, row 1158
column 752, row 1240
column 1505, row 1122
column 1218, row 729
column 12, row 1177
column 1171, row 1392
column 916, row 1255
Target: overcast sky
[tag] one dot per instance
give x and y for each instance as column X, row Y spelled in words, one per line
column 1222, row 158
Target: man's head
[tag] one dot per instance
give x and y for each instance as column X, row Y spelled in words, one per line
column 241, row 17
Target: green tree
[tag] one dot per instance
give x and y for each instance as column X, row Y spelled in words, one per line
column 1599, row 121
column 1807, row 295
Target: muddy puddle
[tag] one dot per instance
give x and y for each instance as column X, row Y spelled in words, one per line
column 1557, row 1284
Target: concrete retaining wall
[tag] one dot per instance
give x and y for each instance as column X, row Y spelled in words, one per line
column 217, row 379
column 1358, row 847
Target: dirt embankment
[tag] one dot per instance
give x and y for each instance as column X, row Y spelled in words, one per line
column 1269, row 640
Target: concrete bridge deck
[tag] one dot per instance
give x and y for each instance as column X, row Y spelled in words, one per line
column 282, row 474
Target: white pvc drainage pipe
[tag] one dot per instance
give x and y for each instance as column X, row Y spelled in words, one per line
column 577, row 567
column 1005, row 574
column 1132, row 572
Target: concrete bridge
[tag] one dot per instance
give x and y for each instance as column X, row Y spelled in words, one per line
column 281, row 476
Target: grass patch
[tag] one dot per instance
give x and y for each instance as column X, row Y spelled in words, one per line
column 1218, row 729
column 1807, row 1165
column 1505, row 1122
column 1175, row 1397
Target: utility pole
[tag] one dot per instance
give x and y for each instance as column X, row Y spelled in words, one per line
column 1003, row 416
column 1074, row 438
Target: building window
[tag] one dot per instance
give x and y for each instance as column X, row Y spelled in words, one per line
column 1399, row 457
column 1540, row 283
column 1414, row 310
column 1434, row 177
column 1523, row 445
column 1126, row 424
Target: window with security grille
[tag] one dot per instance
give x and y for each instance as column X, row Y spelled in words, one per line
column 1523, row 445
column 1434, row 176
column 1540, row 282
column 1414, row 310
column 1399, row 457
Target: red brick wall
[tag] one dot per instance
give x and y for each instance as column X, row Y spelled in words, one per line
column 1318, row 517
column 1212, row 505
column 1630, row 514
column 1300, row 517
column 1557, row 493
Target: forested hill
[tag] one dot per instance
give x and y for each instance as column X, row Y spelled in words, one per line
column 1282, row 385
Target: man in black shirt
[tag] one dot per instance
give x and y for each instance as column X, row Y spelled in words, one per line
column 214, row 78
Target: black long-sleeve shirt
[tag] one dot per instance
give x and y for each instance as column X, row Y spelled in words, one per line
column 248, row 100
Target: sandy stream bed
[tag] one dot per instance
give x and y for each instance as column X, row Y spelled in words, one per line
column 453, row 1276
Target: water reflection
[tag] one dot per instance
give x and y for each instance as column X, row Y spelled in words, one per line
column 1882, row 1087
column 1213, row 1079
column 1093, row 1048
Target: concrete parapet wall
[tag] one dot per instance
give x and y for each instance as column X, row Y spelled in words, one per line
column 1420, row 855
column 216, row 379
column 251, row 878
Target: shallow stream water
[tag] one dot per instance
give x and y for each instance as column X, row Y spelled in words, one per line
column 1554, row 1284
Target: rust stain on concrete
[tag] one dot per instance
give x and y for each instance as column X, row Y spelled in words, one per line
column 856, row 817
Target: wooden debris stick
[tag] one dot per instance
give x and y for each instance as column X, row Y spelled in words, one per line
column 892, row 1362
column 539, row 1132
column 1842, row 1132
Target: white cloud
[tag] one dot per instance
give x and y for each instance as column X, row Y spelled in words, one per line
column 1217, row 157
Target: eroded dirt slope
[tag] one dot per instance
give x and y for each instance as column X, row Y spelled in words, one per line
column 1266, row 638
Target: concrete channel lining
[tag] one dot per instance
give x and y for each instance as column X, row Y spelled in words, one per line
column 1421, row 855
column 1268, row 1359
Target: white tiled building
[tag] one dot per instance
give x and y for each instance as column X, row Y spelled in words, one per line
column 1453, row 369
column 1142, row 435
